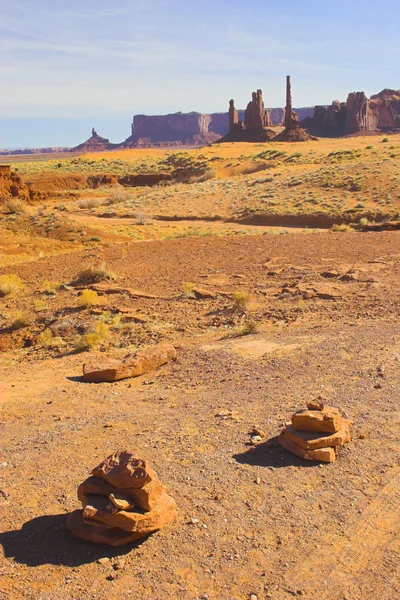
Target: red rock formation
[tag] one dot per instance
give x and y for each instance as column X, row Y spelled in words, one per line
column 385, row 109
column 291, row 118
column 379, row 113
column 232, row 115
column 292, row 132
column 256, row 116
column 11, row 185
column 357, row 112
column 256, row 123
column 95, row 143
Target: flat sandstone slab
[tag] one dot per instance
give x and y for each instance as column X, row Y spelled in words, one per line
column 327, row 455
column 100, row 369
column 312, row 440
column 327, row 420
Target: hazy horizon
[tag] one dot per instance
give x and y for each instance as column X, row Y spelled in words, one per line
column 69, row 66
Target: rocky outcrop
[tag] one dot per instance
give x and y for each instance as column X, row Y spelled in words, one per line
column 95, row 143
column 316, row 433
column 385, row 110
column 101, row 369
column 358, row 114
column 256, row 117
column 255, row 125
column 11, row 184
column 174, row 129
column 122, row 501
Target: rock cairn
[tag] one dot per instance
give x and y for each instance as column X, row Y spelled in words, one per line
column 122, row 501
column 316, row 433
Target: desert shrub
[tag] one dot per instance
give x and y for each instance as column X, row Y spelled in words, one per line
column 187, row 288
column 209, row 174
column 364, row 221
column 90, row 203
column 49, row 287
column 117, row 196
column 342, row 228
column 245, row 328
column 140, row 217
column 93, row 338
column 46, row 339
column 241, row 301
column 385, row 140
column 94, row 274
column 20, row 319
column 40, row 305
column 15, row 206
column 10, row 284
column 88, row 298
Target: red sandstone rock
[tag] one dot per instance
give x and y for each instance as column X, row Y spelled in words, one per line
column 133, row 365
column 143, row 523
column 11, row 184
column 327, row 420
column 320, row 455
column 314, row 440
column 122, row 502
column 124, row 470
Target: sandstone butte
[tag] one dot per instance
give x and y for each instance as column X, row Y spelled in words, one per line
column 316, row 433
column 99, row 369
column 122, row 502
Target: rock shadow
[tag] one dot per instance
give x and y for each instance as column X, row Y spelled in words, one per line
column 269, row 454
column 46, row 540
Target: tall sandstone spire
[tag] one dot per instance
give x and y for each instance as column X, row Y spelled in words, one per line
column 291, row 118
column 233, row 115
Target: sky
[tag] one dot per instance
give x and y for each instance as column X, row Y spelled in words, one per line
column 68, row 65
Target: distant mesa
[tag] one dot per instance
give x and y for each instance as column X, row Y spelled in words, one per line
column 179, row 129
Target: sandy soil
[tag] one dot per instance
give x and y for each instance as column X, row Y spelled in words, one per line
column 251, row 521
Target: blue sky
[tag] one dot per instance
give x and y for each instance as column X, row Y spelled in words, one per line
column 66, row 65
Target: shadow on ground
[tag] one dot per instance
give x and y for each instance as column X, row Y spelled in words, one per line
column 46, row 540
column 269, row 454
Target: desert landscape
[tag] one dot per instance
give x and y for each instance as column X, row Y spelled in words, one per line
column 199, row 301
column 273, row 270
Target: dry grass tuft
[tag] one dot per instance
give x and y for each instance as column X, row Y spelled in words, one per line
column 187, row 288
column 245, row 328
column 93, row 338
column 15, row 206
column 241, row 301
column 88, row 298
column 94, row 274
column 20, row 319
column 10, row 284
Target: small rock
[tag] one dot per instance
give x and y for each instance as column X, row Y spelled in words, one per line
column 257, row 431
column 258, row 480
column 253, row 597
column 256, row 439
column 119, row 564
column 103, row 561
column 111, row 577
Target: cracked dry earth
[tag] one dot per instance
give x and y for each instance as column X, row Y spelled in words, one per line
column 251, row 521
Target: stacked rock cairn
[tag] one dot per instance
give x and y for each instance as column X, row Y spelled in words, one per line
column 316, row 433
column 122, row 502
